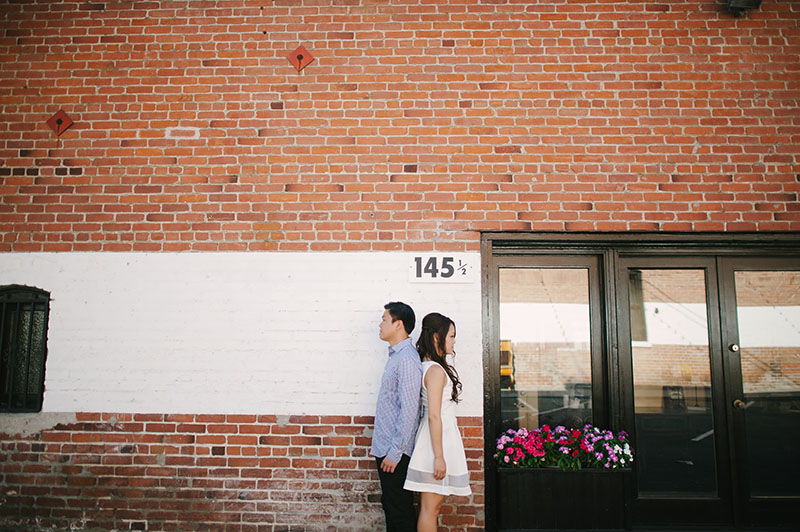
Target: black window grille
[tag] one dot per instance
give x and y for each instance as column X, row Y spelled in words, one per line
column 24, row 313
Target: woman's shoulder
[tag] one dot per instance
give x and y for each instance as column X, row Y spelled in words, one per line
column 429, row 367
column 426, row 364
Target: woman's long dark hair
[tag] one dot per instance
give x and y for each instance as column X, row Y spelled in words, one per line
column 435, row 327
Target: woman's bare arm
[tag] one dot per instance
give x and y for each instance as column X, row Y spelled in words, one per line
column 435, row 381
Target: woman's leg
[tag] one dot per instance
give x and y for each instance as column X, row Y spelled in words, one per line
column 430, row 504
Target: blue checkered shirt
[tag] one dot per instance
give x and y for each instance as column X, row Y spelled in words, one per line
column 397, row 413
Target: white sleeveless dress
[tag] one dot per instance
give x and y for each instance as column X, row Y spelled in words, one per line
column 420, row 469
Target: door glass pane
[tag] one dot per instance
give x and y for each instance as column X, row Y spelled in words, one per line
column 672, row 382
column 545, row 356
column 768, row 312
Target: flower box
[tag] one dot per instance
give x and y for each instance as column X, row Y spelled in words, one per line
column 551, row 498
column 589, row 447
column 563, row 478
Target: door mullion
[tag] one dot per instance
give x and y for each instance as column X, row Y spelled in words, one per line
column 732, row 370
column 610, row 388
column 719, row 388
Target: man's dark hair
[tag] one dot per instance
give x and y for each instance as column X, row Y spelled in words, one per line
column 401, row 311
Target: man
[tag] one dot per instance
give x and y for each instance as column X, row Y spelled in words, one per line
column 396, row 416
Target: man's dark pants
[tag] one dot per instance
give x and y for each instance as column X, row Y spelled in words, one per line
column 398, row 504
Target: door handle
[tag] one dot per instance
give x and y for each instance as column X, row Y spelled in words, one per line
column 734, row 348
column 739, row 404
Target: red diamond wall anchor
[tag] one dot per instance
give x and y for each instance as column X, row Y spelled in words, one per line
column 300, row 58
column 59, row 122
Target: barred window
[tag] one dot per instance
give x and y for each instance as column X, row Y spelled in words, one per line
column 24, row 315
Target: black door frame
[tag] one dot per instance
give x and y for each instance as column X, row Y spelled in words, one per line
column 608, row 246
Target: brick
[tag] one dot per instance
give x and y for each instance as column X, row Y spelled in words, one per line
column 226, row 462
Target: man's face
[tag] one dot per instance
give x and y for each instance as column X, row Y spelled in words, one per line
column 387, row 327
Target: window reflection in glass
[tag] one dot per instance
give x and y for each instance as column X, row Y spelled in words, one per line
column 768, row 313
column 672, row 382
column 545, row 357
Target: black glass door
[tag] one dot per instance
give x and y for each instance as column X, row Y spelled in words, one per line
column 673, row 386
column 761, row 330
column 710, row 356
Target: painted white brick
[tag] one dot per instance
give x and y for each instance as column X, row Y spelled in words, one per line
column 287, row 333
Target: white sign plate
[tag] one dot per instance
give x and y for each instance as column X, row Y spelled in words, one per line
column 443, row 268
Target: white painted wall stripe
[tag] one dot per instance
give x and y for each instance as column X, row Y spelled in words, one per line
column 286, row 333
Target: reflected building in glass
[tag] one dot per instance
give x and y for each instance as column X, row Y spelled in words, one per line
column 545, row 366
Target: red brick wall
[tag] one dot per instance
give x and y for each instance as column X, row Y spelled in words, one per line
column 418, row 125
column 240, row 473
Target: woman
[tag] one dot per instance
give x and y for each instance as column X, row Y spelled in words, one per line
column 438, row 465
